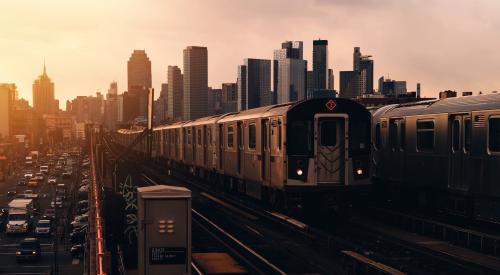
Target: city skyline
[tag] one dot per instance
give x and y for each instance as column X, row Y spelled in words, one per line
column 85, row 53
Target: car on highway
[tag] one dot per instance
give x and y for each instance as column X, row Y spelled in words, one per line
column 28, row 175
column 77, row 251
column 21, row 182
column 44, row 169
column 30, row 194
column 43, row 228
column 32, row 183
column 28, row 249
column 80, row 221
column 11, row 192
column 57, row 203
column 49, row 214
column 78, row 235
column 39, row 177
column 4, row 218
column 66, row 175
column 52, row 180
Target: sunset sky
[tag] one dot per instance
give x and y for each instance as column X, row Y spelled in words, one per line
column 86, row 44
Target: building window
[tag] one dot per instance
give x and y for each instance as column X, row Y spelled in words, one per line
column 189, row 136
column 252, row 136
column 230, row 136
column 378, row 136
column 494, row 134
column 425, row 135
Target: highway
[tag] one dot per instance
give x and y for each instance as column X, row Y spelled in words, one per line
column 9, row 244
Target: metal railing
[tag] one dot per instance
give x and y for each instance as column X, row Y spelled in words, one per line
column 100, row 253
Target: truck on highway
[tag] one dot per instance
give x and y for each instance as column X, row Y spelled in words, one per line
column 19, row 219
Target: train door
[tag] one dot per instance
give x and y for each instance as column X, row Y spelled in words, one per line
column 395, row 148
column 239, row 146
column 265, row 153
column 204, row 144
column 221, row 146
column 456, row 180
column 331, row 145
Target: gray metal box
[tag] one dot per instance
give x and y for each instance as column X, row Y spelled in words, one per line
column 164, row 225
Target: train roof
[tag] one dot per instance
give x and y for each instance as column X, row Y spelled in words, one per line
column 447, row 105
column 130, row 131
column 271, row 110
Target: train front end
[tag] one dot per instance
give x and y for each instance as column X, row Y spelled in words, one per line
column 328, row 147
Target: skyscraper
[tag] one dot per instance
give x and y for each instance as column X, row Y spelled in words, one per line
column 161, row 104
column 356, row 57
column 139, row 70
column 195, row 82
column 8, row 96
column 175, row 93
column 139, row 82
column 364, row 65
column 331, row 80
column 43, row 95
column 255, row 80
column 242, row 88
column 366, row 75
column 111, row 106
column 320, row 64
column 229, row 97
column 349, row 84
column 290, row 79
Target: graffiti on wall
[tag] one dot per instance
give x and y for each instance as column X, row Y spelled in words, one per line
column 129, row 194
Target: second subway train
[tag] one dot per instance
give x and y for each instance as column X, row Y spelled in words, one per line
column 314, row 150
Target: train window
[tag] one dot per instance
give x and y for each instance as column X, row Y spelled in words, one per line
column 198, row 137
column 279, row 134
column 467, row 134
column 252, row 136
column 189, row 136
column 300, row 138
column 378, row 136
column 230, row 136
column 209, row 136
column 494, row 134
column 456, row 135
column 393, row 134
column 328, row 133
column 425, row 135
column 402, row 135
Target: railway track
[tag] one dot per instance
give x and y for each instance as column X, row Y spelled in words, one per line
column 350, row 245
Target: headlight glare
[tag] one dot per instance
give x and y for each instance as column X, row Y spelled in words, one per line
column 299, row 172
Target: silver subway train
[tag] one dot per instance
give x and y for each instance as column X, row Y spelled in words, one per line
column 442, row 154
column 282, row 153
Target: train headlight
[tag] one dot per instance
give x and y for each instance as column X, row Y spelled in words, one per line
column 299, row 172
column 359, row 171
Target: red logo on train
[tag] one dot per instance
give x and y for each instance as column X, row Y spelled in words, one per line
column 330, row 105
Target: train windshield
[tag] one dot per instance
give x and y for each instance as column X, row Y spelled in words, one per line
column 300, row 138
column 359, row 137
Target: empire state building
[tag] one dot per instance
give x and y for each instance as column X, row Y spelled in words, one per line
column 43, row 95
